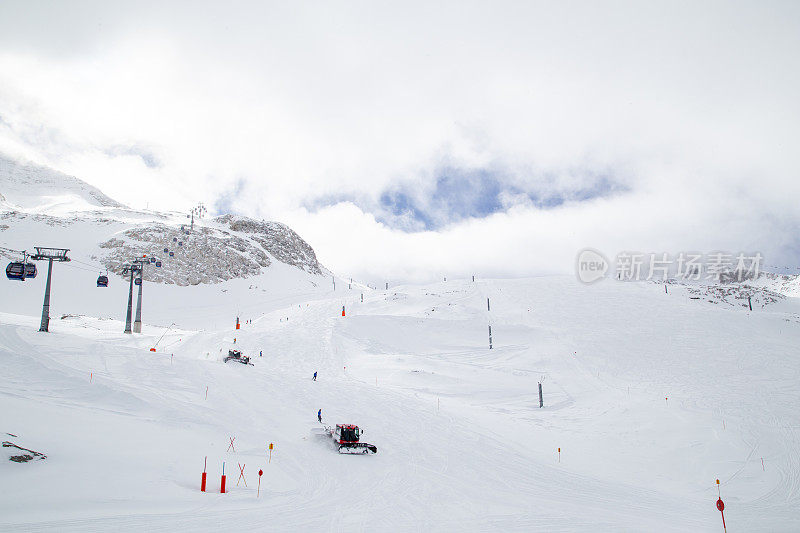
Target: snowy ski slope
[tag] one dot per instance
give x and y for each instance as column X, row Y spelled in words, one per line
column 650, row 396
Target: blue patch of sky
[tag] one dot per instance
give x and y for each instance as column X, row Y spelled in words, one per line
column 225, row 204
column 149, row 158
column 458, row 194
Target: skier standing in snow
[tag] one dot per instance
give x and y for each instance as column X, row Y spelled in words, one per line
column 319, row 415
column 260, row 353
column 315, row 376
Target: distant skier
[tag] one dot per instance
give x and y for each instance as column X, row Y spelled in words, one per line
column 319, row 415
column 315, row 376
column 260, row 353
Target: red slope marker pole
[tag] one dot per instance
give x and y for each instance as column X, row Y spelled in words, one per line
column 222, row 480
column 721, row 507
column 260, row 473
column 203, row 479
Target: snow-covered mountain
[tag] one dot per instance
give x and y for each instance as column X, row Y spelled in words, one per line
column 35, row 189
column 38, row 202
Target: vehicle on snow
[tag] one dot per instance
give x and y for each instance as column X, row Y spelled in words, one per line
column 347, row 439
column 237, row 357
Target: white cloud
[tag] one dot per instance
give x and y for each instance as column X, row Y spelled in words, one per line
column 692, row 108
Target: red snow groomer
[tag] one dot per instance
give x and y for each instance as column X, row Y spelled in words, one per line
column 346, row 436
column 237, row 357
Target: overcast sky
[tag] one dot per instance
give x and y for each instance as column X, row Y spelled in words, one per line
column 414, row 140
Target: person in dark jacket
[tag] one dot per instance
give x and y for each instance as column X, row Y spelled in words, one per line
column 315, row 376
column 319, row 415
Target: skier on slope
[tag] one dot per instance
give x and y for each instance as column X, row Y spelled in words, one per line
column 315, row 376
column 319, row 415
column 260, row 353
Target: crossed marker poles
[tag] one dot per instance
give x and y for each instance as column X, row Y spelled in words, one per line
column 232, row 447
column 241, row 475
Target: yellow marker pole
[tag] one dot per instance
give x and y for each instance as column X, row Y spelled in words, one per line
column 270, row 452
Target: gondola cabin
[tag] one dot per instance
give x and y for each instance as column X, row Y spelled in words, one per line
column 158, row 263
column 102, row 281
column 137, row 281
column 20, row 271
column 172, row 254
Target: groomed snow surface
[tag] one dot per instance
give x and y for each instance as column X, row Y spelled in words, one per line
column 650, row 396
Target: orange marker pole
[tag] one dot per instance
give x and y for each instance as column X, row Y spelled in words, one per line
column 90, row 377
column 559, row 455
column 270, row 452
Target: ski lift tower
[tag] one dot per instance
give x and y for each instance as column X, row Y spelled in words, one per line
column 51, row 254
column 199, row 210
column 137, row 323
column 133, row 269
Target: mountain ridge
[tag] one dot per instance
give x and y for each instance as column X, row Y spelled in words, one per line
column 35, row 200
